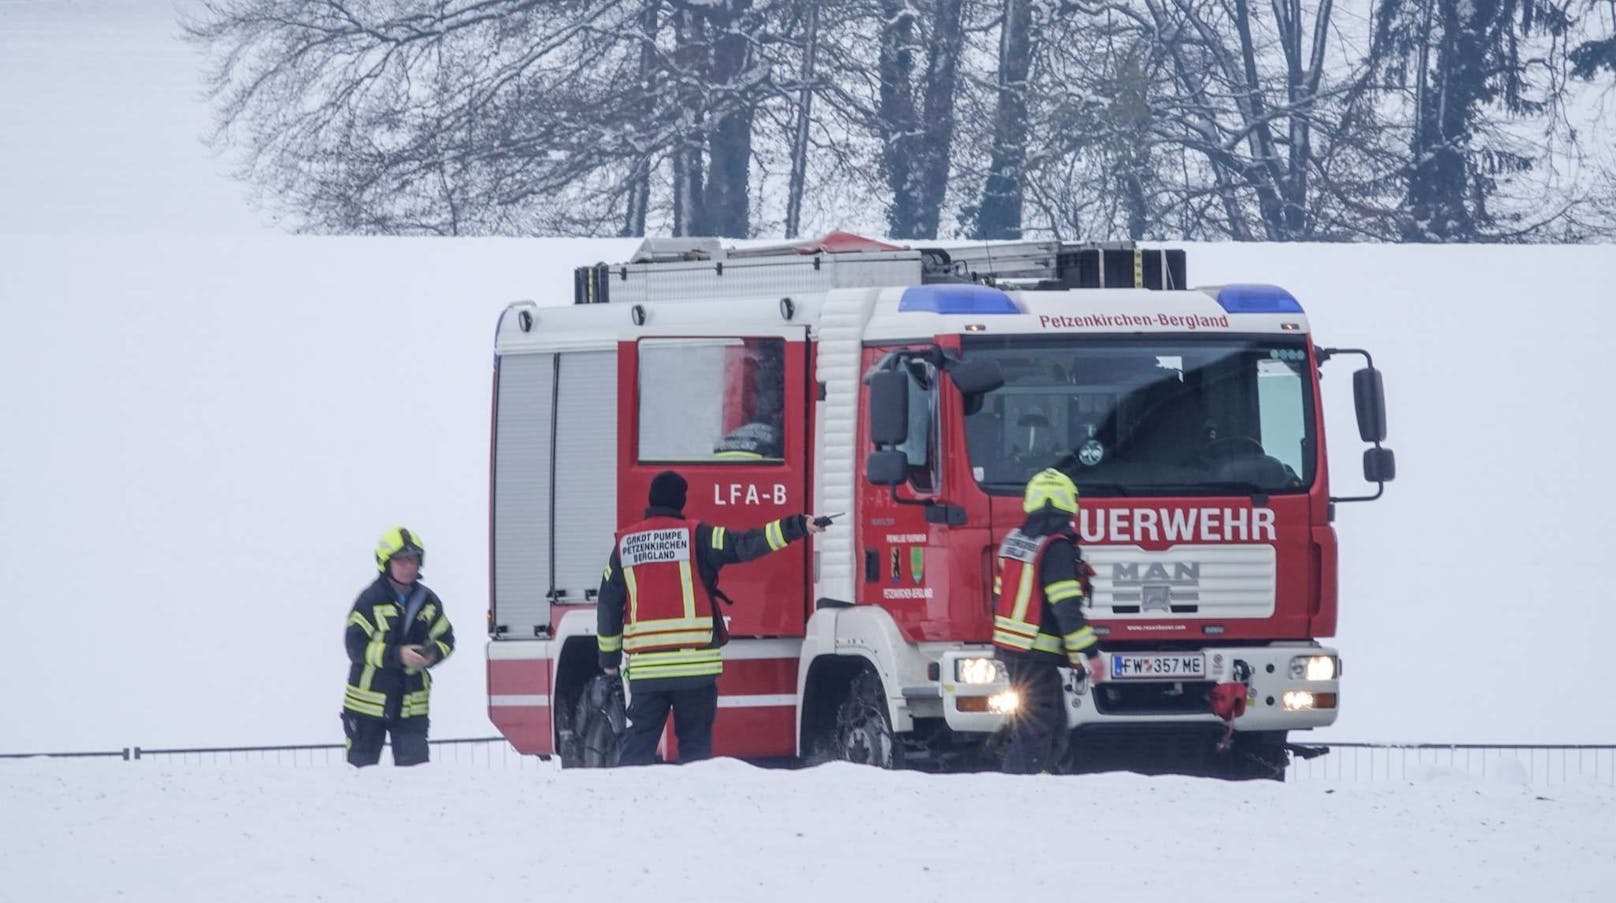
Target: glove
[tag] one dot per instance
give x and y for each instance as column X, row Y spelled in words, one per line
column 1085, row 576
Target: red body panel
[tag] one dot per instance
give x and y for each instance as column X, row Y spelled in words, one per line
column 527, row 725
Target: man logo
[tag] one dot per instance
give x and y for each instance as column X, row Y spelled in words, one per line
column 1152, row 587
column 1185, row 573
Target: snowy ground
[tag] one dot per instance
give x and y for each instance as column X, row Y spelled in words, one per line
column 722, row 830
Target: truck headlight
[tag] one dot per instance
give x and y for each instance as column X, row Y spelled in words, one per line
column 1004, row 703
column 979, row 670
column 1314, row 667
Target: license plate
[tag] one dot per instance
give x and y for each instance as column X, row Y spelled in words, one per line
column 1159, row 666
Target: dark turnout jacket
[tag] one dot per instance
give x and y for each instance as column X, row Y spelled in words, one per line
column 379, row 684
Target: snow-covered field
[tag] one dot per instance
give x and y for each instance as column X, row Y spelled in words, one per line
column 204, row 425
column 723, row 831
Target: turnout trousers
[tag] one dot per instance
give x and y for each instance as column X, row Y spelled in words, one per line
column 1038, row 731
column 366, row 736
column 693, row 711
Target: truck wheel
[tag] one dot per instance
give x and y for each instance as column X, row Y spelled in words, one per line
column 1255, row 760
column 863, row 733
column 595, row 742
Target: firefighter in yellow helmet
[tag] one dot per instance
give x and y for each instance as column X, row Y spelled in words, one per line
column 1038, row 624
column 397, row 630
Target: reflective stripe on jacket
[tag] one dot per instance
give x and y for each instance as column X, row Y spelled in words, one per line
column 1020, row 622
column 379, row 685
column 652, row 613
column 668, row 618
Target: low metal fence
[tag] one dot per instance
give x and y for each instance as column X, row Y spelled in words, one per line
column 1538, row 764
column 491, row 752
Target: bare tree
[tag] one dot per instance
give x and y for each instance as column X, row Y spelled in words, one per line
column 802, row 121
column 1093, row 118
column 999, row 215
column 915, row 115
column 1463, row 66
column 471, row 116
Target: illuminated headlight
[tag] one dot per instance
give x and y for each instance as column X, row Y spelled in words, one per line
column 1314, row 667
column 979, row 670
column 1298, row 700
column 1004, row 703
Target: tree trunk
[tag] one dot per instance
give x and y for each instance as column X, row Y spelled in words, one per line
column 638, row 201
column 999, row 216
column 729, row 151
column 1438, row 202
column 900, row 131
column 799, row 138
column 1264, row 172
column 937, row 120
column 690, row 56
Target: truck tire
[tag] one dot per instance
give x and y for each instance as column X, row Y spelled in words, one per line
column 596, row 727
column 1255, row 760
column 863, row 731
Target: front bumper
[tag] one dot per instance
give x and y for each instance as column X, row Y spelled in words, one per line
column 1275, row 701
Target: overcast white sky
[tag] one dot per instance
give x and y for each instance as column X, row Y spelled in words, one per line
column 105, row 124
column 206, row 423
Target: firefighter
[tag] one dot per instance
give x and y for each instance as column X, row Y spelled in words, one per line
column 396, row 632
column 1038, row 624
column 657, row 603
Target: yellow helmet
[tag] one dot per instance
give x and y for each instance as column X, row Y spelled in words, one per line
column 398, row 541
column 1053, row 488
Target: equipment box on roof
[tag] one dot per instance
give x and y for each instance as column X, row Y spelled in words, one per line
column 1123, row 268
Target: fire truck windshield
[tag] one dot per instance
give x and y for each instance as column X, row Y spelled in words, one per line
column 1147, row 415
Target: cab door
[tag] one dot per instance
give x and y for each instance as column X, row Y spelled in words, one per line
column 928, row 539
column 732, row 415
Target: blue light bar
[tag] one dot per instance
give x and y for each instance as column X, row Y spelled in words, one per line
column 957, row 299
column 1257, row 299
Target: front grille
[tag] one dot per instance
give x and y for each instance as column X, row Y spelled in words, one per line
column 1174, row 609
column 1150, row 697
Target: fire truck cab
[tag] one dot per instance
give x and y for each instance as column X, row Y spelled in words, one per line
column 916, row 390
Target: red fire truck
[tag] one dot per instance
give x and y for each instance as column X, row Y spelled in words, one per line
column 916, row 389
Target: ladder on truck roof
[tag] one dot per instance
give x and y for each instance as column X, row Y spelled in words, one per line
column 670, row 269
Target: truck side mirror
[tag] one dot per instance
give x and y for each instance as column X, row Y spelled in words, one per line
column 887, row 467
column 1369, row 397
column 977, row 377
column 889, row 407
column 1379, row 465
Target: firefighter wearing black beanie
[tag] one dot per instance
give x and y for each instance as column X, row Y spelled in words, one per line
column 673, row 659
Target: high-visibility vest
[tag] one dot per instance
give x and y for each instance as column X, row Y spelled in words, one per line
column 1017, row 618
column 668, row 620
